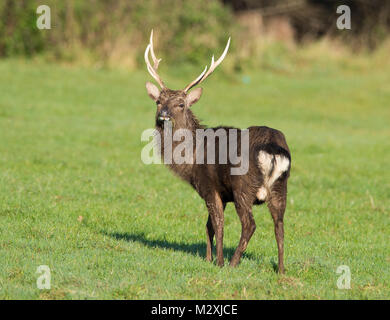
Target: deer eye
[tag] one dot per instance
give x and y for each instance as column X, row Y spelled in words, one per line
column 158, row 102
column 181, row 105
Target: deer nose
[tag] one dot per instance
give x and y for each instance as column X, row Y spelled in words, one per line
column 164, row 115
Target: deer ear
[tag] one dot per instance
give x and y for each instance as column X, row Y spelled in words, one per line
column 193, row 96
column 153, row 91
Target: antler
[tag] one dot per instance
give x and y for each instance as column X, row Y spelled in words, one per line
column 153, row 70
column 213, row 66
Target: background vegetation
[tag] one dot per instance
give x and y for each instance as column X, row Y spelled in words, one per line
column 112, row 32
column 74, row 194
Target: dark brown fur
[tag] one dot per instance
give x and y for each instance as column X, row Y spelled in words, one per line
column 217, row 186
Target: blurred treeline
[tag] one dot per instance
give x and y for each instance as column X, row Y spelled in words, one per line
column 312, row 19
column 116, row 31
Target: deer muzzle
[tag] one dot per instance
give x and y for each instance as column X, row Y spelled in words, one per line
column 163, row 116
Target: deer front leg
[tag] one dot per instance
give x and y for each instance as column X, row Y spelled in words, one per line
column 248, row 227
column 215, row 208
column 210, row 237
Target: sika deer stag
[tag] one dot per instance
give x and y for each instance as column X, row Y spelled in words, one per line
column 265, row 180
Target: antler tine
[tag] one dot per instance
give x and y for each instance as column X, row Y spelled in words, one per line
column 196, row 81
column 213, row 66
column 155, row 60
column 153, row 70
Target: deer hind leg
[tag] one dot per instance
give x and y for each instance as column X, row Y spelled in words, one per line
column 215, row 207
column 277, row 205
column 248, row 226
column 210, row 237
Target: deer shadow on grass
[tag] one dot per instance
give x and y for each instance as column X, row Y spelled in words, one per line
column 195, row 249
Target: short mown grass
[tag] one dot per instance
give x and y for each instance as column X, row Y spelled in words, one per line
column 75, row 196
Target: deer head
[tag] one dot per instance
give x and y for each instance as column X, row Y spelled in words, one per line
column 173, row 105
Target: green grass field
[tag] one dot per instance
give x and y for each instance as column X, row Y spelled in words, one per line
column 75, row 196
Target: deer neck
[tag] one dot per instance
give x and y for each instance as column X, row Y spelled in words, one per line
column 191, row 124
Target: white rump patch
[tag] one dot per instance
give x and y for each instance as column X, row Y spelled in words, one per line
column 272, row 167
column 281, row 165
column 265, row 162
